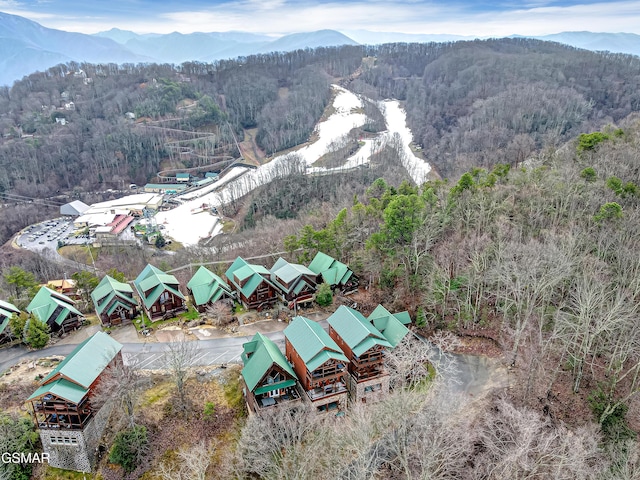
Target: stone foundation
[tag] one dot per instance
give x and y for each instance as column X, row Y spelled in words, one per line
column 339, row 398
column 369, row 391
column 75, row 449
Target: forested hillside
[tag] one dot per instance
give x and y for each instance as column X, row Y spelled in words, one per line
column 529, row 243
column 543, row 261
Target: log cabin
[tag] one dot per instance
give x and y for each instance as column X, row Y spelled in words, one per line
column 69, row 424
column 319, row 363
column 365, row 347
column 269, row 378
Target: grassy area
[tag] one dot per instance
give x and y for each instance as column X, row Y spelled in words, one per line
column 228, row 226
column 92, row 319
column 159, row 392
column 191, row 314
column 51, row 473
column 173, row 246
column 233, row 391
column 80, row 253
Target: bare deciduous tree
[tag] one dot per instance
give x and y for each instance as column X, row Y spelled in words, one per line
column 519, row 443
column 179, row 358
column 220, row 312
column 121, row 384
column 191, row 464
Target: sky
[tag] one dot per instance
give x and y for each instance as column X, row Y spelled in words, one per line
column 279, row 17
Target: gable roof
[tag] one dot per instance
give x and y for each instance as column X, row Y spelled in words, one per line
column 47, row 301
column 390, row 325
column 75, row 208
column 333, row 272
column 207, row 287
column 152, row 282
column 72, row 378
column 283, row 271
column 262, row 354
column 249, row 276
column 358, row 333
column 380, row 311
column 110, row 292
column 6, row 312
column 312, row 343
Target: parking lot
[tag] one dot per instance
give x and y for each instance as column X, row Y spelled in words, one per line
column 47, row 234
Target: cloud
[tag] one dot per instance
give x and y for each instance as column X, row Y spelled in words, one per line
column 534, row 17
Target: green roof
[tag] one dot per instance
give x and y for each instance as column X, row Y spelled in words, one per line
column 312, row 343
column 6, row 312
column 207, row 287
column 392, row 329
column 283, row 271
column 380, row 311
column 333, row 272
column 403, row 317
column 166, row 186
column 45, row 304
column 72, row 378
column 111, row 292
column 262, row 354
column 358, row 333
column 8, row 307
column 392, row 326
column 274, row 386
column 252, row 275
column 152, row 282
column 4, row 322
column 182, row 175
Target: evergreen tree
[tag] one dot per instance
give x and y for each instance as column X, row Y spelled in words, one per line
column 37, row 334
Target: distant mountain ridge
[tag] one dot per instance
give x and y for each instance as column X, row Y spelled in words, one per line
column 27, row 46
column 207, row 47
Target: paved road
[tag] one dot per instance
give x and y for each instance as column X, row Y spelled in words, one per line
column 149, row 355
column 471, row 375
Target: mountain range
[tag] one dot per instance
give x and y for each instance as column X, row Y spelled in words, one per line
column 27, row 46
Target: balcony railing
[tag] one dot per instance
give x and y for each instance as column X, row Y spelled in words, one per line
column 326, row 391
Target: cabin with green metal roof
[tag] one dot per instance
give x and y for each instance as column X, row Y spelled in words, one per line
column 252, row 284
column 296, row 283
column 114, row 301
column 319, row 362
column 365, row 347
column 206, row 288
column 392, row 326
column 160, row 293
column 7, row 310
column 56, row 310
column 70, row 426
column 269, row 378
column 335, row 273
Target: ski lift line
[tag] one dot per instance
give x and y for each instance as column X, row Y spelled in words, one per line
column 15, row 195
column 218, row 262
column 233, row 134
column 40, row 201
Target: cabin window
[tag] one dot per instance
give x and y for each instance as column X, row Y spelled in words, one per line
column 63, row 441
column 373, row 388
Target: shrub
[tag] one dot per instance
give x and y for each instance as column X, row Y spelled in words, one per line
column 324, row 297
column 37, row 334
column 588, row 141
column 129, row 447
column 609, row 211
column 589, row 174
